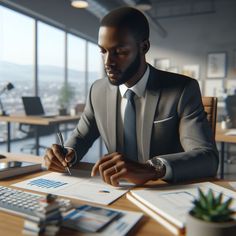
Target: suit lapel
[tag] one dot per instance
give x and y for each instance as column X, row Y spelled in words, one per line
column 112, row 116
column 151, row 103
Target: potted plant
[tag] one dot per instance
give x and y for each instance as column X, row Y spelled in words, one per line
column 210, row 216
column 66, row 94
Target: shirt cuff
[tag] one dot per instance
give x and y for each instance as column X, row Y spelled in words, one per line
column 168, row 174
column 75, row 157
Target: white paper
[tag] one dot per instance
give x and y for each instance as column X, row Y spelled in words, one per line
column 81, row 186
column 233, row 184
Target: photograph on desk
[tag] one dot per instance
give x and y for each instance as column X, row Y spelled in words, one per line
column 119, row 222
column 89, row 218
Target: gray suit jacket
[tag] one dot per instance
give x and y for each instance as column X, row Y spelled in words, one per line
column 174, row 127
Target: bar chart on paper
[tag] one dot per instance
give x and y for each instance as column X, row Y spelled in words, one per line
column 46, row 183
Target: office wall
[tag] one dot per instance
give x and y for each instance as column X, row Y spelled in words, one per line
column 191, row 38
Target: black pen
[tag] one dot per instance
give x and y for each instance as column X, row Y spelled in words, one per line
column 60, row 137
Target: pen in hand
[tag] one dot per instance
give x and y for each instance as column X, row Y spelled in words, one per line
column 60, row 137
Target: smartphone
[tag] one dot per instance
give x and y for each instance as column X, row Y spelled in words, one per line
column 13, row 164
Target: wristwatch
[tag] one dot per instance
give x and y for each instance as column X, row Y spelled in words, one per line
column 158, row 166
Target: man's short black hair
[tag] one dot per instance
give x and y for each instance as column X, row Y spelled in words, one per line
column 128, row 18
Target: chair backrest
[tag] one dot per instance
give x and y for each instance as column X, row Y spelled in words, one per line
column 210, row 107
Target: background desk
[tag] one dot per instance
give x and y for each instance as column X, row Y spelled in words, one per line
column 223, row 138
column 37, row 121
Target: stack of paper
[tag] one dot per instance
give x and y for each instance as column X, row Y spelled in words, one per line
column 47, row 220
column 170, row 205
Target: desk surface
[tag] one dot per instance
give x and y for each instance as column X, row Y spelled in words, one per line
column 39, row 120
column 11, row 225
column 222, row 137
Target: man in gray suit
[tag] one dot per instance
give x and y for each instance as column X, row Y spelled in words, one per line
column 159, row 131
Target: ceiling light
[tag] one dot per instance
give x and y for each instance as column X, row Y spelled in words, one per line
column 143, row 5
column 79, row 3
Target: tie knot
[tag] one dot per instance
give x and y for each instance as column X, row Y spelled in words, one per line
column 129, row 94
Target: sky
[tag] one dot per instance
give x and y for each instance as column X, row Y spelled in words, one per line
column 17, row 43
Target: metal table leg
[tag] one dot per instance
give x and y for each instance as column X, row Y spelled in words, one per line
column 8, row 136
column 222, row 160
column 37, row 139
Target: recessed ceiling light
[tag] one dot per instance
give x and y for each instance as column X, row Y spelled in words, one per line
column 79, row 3
column 143, row 5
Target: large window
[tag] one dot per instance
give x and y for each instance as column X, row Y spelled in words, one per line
column 39, row 61
column 16, row 57
column 95, row 67
column 76, row 64
column 51, row 65
column 16, row 61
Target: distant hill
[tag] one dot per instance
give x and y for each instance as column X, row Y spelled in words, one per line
column 13, row 72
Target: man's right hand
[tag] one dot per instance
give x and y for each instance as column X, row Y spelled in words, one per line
column 55, row 160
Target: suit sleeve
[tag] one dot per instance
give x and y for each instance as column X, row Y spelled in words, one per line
column 200, row 157
column 86, row 131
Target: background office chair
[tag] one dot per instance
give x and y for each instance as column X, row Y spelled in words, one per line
column 34, row 106
column 30, row 131
column 210, row 107
column 230, row 105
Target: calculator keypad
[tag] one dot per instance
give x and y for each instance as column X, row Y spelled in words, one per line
column 24, row 202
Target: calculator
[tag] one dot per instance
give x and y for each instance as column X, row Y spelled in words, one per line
column 25, row 204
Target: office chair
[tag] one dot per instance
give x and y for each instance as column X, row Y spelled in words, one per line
column 210, row 107
column 30, row 130
column 230, row 105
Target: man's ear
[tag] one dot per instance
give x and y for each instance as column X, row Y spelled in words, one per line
column 145, row 45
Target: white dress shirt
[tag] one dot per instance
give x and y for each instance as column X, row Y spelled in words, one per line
column 139, row 99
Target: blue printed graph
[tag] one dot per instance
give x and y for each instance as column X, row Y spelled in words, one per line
column 46, row 183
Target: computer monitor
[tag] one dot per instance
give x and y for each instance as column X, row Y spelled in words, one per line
column 230, row 104
column 33, row 106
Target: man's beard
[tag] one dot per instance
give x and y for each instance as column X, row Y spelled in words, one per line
column 128, row 73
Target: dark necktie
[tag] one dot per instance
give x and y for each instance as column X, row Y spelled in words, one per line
column 130, row 137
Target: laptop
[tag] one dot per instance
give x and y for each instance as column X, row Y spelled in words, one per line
column 33, row 107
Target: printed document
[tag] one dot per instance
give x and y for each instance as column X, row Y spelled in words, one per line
column 80, row 186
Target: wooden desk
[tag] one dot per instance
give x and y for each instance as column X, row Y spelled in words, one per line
column 37, row 121
column 11, row 225
column 223, row 138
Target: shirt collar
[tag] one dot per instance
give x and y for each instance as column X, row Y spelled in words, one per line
column 139, row 87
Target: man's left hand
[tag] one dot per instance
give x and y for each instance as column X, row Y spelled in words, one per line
column 113, row 167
